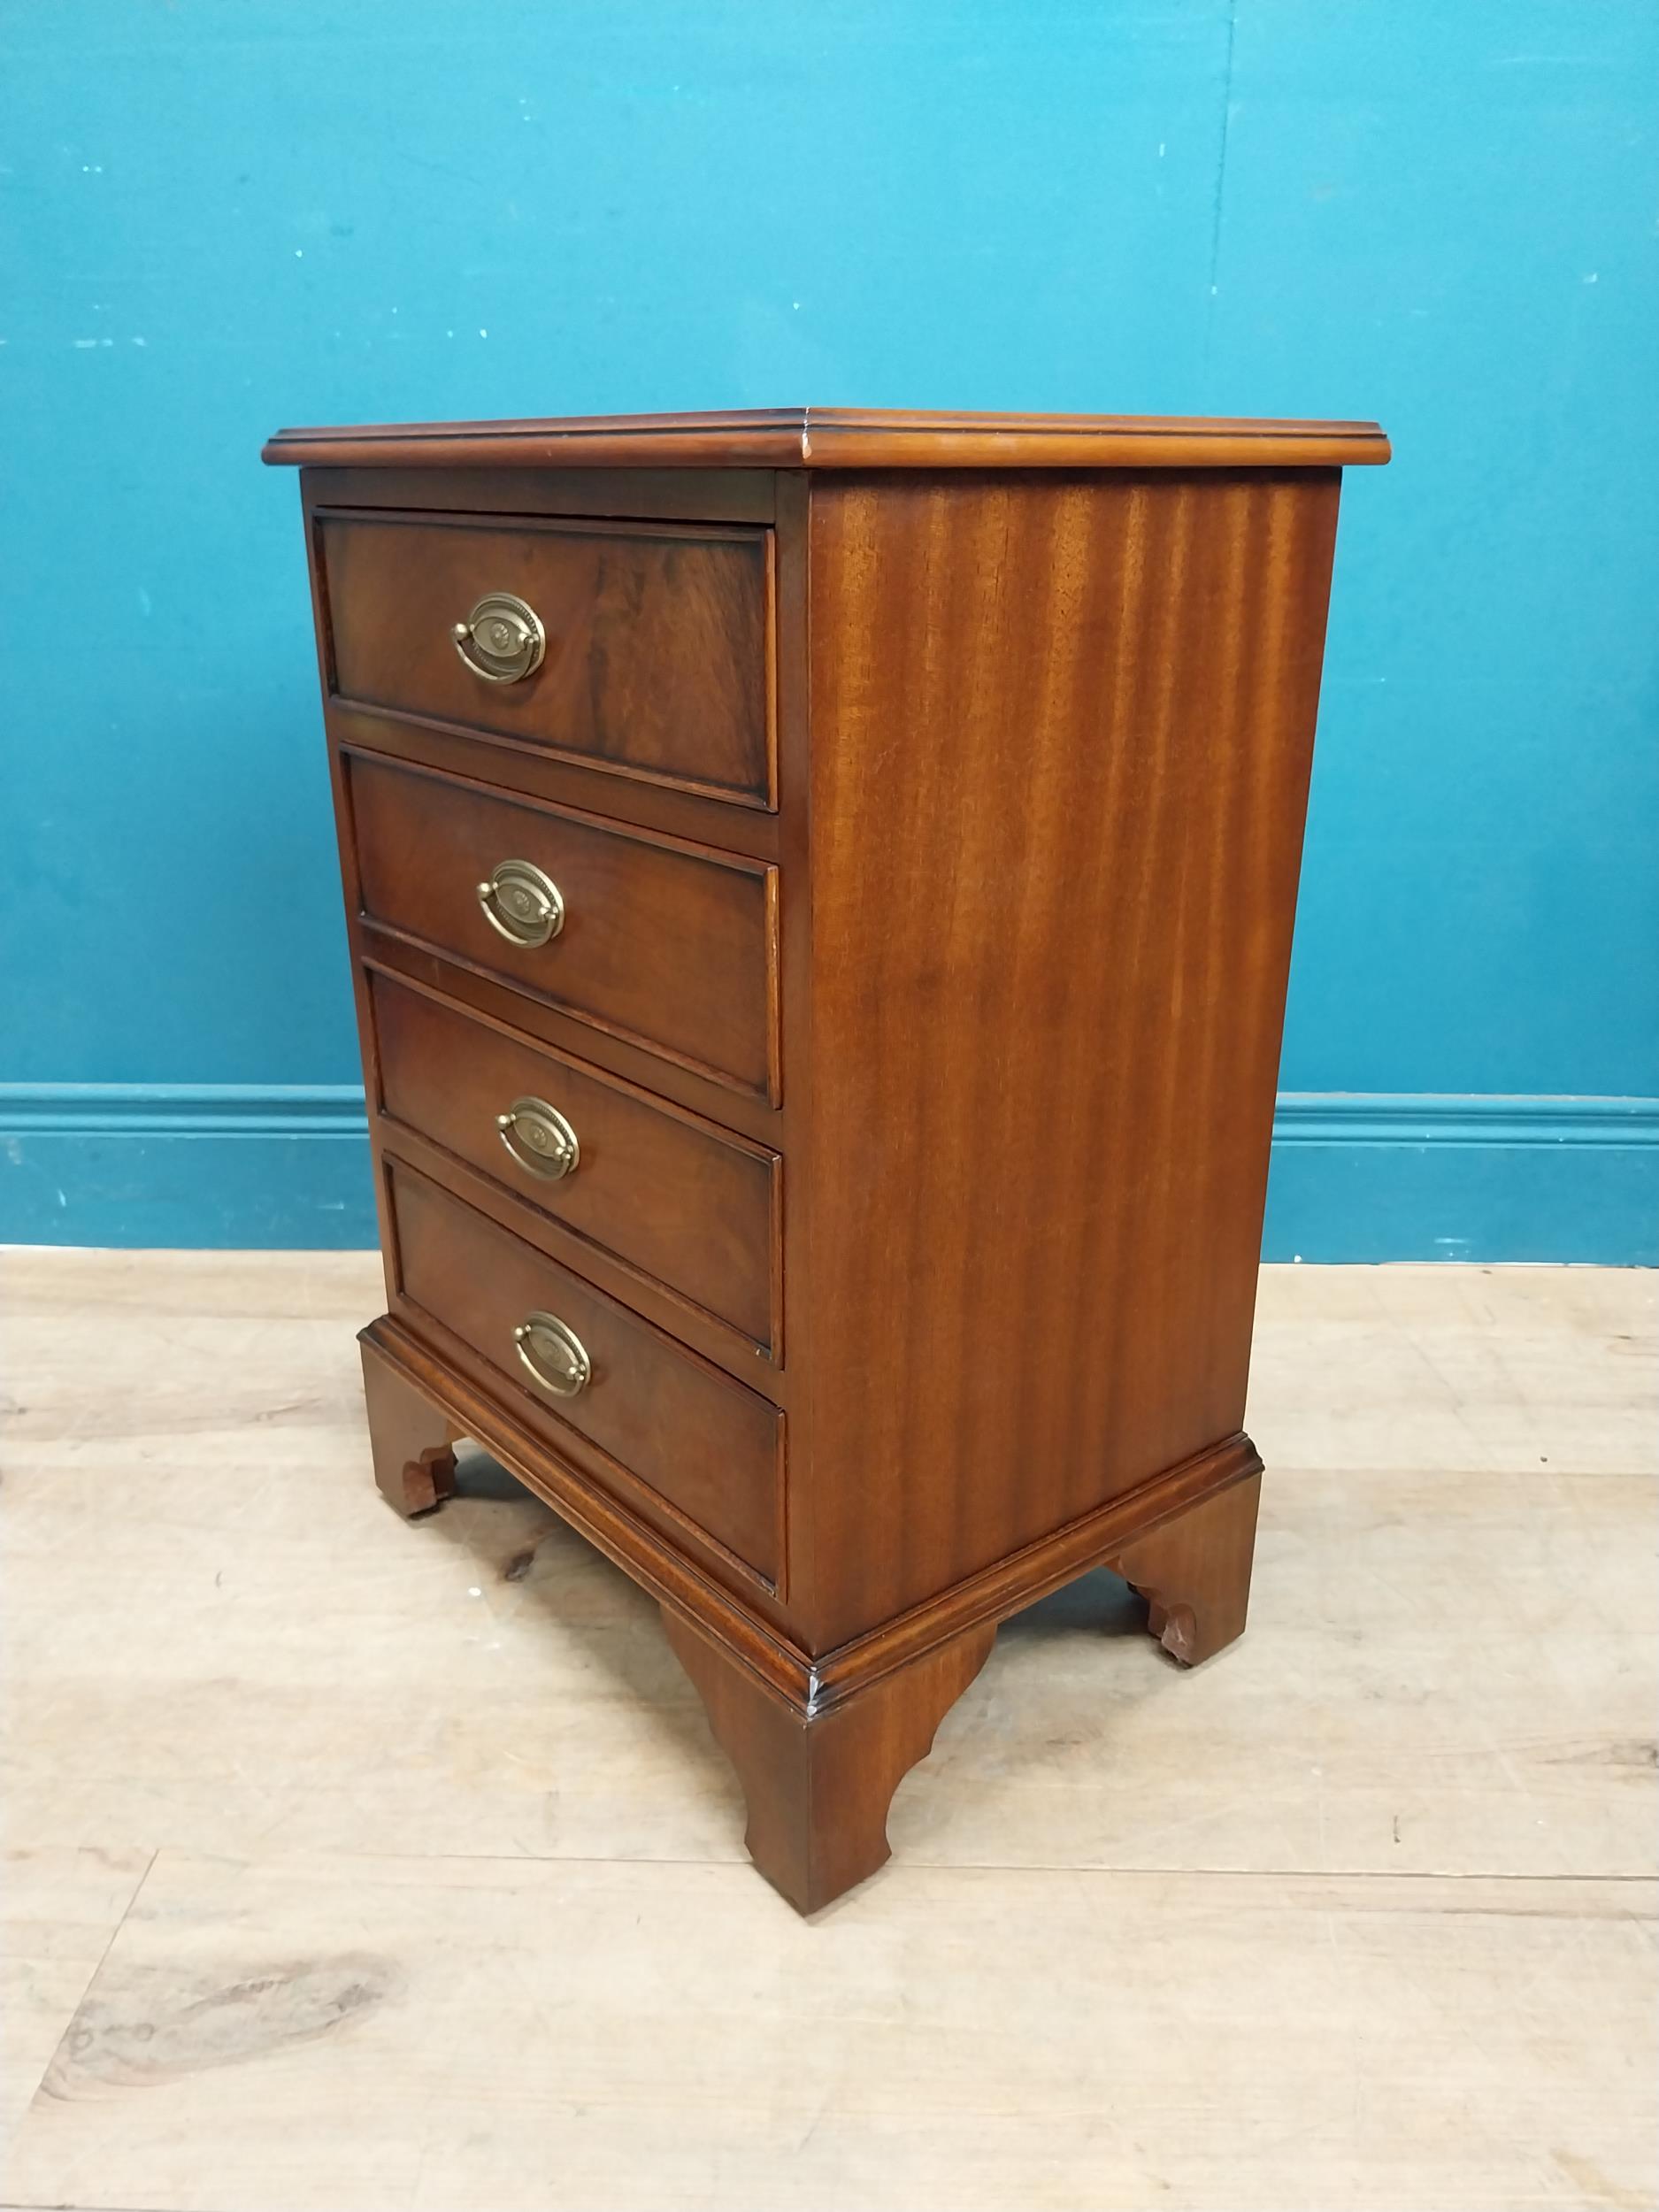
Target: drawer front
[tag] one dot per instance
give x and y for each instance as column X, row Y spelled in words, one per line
column 655, row 651
column 687, row 1204
column 670, row 946
column 708, row 1447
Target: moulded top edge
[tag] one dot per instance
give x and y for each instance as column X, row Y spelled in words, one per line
column 839, row 437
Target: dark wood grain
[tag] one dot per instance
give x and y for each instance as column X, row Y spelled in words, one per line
column 1052, row 924
column 666, row 944
column 532, row 773
column 673, row 1196
column 745, row 1616
column 840, row 437
column 659, row 654
column 700, row 1091
column 662, row 1416
column 996, row 995
column 413, row 1445
column 818, row 1787
column 1195, row 1573
column 690, row 494
column 1020, row 1578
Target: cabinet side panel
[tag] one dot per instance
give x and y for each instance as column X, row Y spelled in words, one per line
column 1061, row 737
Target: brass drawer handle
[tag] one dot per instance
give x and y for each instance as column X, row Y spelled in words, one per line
column 501, row 641
column 521, row 904
column 539, row 1138
column 554, row 1355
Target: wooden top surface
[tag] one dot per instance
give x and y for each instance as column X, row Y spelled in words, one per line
column 840, row 438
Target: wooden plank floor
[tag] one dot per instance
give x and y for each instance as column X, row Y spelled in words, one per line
column 353, row 1865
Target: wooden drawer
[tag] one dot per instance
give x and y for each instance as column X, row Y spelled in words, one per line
column 667, row 945
column 658, row 654
column 688, row 1205
column 662, row 1419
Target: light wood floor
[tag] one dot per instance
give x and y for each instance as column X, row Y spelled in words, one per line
column 355, row 1865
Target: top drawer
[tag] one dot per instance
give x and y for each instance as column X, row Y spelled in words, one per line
column 654, row 645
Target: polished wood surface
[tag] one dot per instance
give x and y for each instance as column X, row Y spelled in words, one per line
column 841, row 437
column 665, row 1552
column 659, row 654
column 682, row 1201
column 666, row 944
column 662, row 495
column 532, row 773
column 660, row 1417
column 818, row 1791
column 1194, row 1572
column 989, row 999
column 413, row 1444
column 1176, row 1493
column 1051, row 933
column 421, row 1833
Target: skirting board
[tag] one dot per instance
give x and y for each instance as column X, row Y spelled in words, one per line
column 1425, row 1178
column 1354, row 1177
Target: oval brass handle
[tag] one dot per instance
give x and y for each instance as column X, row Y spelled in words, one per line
column 501, row 640
column 539, row 1138
column 553, row 1354
column 521, row 903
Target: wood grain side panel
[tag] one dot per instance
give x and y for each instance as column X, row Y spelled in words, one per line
column 1062, row 733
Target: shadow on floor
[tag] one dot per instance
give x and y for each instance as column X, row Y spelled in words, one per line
column 1096, row 1604
column 509, row 1535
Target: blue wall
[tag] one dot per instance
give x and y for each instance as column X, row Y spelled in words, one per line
column 222, row 215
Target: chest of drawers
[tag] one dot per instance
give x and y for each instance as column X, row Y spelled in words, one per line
column 820, row 889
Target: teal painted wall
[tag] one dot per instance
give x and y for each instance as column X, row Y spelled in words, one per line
column 220, row 215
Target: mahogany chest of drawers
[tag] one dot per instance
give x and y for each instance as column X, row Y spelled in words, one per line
column 820, row 889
